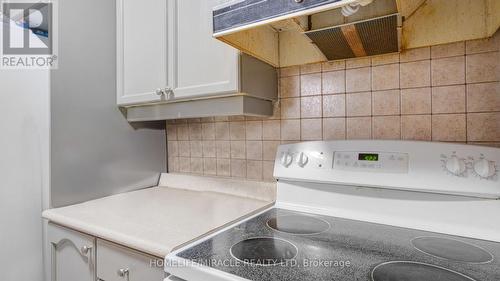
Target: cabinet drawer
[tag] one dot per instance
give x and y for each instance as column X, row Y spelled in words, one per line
column 117, row 263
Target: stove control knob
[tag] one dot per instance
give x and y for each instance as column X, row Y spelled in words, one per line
column 302, row 160
column 484, row 168
column 455, row 166
column 286, row 159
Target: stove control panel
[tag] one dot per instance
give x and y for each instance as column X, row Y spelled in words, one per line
column 371, row 161
column 443, row 168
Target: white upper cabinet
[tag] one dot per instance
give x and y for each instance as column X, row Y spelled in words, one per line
column 166, row 51
column 142, row 51
column 202, row 64
column 168, row 60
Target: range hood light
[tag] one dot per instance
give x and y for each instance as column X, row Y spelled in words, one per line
column 351, row 9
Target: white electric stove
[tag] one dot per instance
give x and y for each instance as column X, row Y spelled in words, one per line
column 363, row 210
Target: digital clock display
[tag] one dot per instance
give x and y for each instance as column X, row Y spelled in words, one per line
column 368, row 157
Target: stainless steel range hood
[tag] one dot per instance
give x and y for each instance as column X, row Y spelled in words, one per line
column 289, row 32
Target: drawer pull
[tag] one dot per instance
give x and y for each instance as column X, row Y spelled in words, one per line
column 123, row 272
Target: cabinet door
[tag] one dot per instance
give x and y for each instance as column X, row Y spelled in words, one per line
column 142, row 50
column 117, row 263
column 203, row 65
column 72, row 255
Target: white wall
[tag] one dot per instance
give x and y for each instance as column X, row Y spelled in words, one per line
column 24, row 164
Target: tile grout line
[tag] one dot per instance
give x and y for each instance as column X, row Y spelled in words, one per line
column 466, row 94
column 345, row 101
column 400, row 103
column 432, row 94
column 371, row 100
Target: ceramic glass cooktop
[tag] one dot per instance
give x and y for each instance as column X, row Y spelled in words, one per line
column 285, row 245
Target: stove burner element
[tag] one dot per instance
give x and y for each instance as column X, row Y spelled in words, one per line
column 264, row 251
column 297, row 224
column 414, row 271
column 452, row 250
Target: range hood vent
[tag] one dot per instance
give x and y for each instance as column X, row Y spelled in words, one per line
column 364, row 38
column 286, row 32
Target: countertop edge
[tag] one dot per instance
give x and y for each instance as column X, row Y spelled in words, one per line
column 133, row 242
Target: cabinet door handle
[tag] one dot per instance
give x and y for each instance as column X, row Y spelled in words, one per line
column 85, row 250
column 123, row 272
column 169, row 93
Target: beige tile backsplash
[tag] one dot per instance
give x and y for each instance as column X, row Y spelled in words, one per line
column 441, row 93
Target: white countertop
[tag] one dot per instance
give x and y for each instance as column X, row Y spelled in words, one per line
column 160, row 219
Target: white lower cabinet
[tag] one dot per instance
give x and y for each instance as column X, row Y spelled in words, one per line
column 72, row 255
column 117, row 263
column 76, row 256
